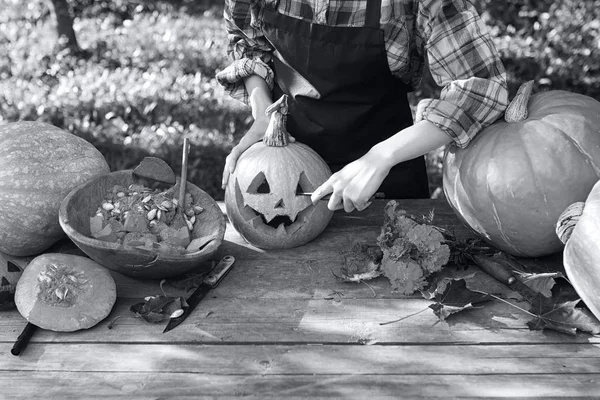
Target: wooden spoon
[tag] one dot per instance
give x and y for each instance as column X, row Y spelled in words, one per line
column 179, row 223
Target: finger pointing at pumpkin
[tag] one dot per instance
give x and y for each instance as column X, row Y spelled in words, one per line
column 354, row 185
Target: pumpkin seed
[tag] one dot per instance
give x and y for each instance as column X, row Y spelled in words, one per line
column 151, row 214
column 107, row 206
column 167, row 204
column 175, row 202
column 146, row 199
column 60, row 292
column 189, row 224
column 159, row 214
column 198, row 209
column 177, row 313
column 120, row 194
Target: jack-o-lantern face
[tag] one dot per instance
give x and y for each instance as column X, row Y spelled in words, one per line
column 262, row 197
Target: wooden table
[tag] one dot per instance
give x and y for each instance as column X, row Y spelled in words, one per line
column 281, row 325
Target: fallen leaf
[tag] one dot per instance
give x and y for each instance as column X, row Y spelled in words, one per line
column 560, row 311
column 540, row 282
column 158, row 308
column 361, row 263
column 452, row 296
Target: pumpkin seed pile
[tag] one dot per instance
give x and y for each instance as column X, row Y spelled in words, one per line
column 60, row 285
column 140, row 217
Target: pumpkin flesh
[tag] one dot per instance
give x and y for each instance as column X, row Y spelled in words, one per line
column 65, row 293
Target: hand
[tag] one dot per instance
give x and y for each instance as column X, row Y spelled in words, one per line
column 254, row 134
column 352, row 187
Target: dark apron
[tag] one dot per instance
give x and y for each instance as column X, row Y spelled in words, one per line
column 343, row 98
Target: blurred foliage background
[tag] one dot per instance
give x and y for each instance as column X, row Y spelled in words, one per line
column 141, row 74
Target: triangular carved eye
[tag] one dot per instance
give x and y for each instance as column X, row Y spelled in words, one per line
column 304, row 185
column 259, row 185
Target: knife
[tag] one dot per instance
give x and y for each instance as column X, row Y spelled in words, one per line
column 501, row 270
column 211, row 281
column 378, row 195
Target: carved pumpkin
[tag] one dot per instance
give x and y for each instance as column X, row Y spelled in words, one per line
column 515, row 178
column 579, row 228
column 261, row 196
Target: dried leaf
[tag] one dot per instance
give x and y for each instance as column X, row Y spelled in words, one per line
column 452, row 296
column 540, row 282
column 560, row 312
column 158, row 308
column 361, row 263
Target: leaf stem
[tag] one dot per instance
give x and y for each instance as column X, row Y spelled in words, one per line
column 403, row 318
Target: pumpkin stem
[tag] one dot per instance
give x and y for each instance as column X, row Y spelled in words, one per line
column 277, row 134
column 517, row 109
column 567, row 221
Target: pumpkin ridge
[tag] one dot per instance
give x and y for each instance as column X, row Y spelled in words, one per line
column 587, row 156
column 536, row 179
column 498, row 222
column 493, row 199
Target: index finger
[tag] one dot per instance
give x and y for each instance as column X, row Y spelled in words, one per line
column 322, row 191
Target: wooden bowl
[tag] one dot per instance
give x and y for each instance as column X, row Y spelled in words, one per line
column 83, row 201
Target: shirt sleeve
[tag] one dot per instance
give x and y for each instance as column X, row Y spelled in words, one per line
column 465, row 63
column 247, row 48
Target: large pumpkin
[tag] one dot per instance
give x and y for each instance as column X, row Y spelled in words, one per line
column 64, row 292
column 579, row 228
column 515, row 178
column 261, row 196
column 39, row 165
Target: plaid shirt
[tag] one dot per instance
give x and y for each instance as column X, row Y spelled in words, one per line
column 448, row 33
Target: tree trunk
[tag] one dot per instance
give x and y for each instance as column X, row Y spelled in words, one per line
column 64, row 25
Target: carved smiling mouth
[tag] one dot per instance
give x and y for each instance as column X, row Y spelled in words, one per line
column 278, row 225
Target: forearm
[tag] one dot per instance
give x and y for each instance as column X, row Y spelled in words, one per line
column 259, row 96
column 412, row 142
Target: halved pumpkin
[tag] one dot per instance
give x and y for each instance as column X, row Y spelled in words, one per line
column 65, row 293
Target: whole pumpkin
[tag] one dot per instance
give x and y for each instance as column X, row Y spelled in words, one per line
column 65, row 292
column 39, row 165
column 261, row 196
column 579, row 228
column 515, row 178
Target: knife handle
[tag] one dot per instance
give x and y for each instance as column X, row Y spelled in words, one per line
column 220, row 270
column 496, row 268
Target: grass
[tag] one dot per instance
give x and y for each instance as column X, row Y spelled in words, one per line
column 146, row 76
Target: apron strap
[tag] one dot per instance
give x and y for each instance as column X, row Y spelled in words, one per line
column 373, row 13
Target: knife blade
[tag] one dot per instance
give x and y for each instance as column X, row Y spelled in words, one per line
column 378, row 195
column 211, row 281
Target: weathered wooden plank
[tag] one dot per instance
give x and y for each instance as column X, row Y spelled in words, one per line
column 303, row 360
column 311, row 321
column 180, row 385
